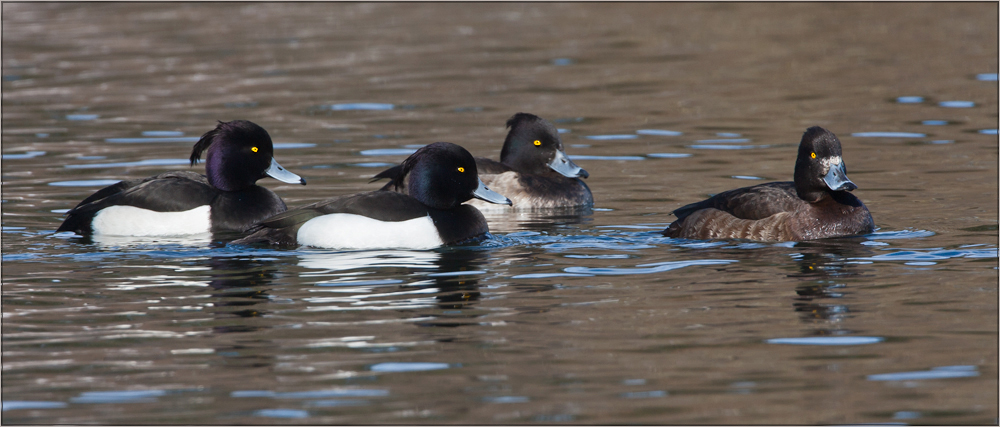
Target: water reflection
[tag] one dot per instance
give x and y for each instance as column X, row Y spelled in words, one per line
column 446, row 279
column 541, row 221
column 822, row 266
column 201, row 241
column 457, row 279
column 240, row 286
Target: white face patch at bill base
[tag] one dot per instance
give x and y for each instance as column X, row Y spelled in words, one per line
column 132, row 221
column 349, row 231
column 831, row 161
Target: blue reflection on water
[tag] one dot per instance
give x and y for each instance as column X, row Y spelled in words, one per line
column 9, row 405
column 658, row 132
column 388, row 152
column 888, row 135
column 657, row 267
column 165, row 140
column 240, row 104
column 584, row 157
column 123, row 396
column 932, row 255
column 644, row 394
column 718, row 141
column 281, row 413
column 905, row 415
column 337, row 403
column 910, row 99
column 506, row 399
column 826, row 340
column 611, row 137
column 901, row 234
column 668, row 155
column 407, row 367
column 313, row 394
column 725, row 147
column 162, row 133
column 81, row 117
column 934, row 122
column 941, row 372
column 148, row 162
column 288, row 145
column 987, row 77
column 357, row 106
column 27, row 155
column 85, row 183
column 957, row 104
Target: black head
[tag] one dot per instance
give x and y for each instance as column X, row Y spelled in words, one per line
column 239, row 154
column 819, row 168
column 533, row 146
column 443, row 175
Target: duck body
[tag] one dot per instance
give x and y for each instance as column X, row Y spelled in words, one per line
column 183, row 202
column 532, row 191
column 818, row 204
column 427, row 213
column 771, row 212
column 376, row 219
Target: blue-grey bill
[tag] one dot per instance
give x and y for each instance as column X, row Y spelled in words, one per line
column 488, row 195
column 837, row 180
column 279, row 173
column 562, row 164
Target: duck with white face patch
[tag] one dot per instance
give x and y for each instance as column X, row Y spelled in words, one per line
column 817, row 204
column 534, row 170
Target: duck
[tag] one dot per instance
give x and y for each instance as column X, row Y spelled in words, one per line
column 534, row 170
column 817, row 204
column 177, row 203
column 438, row 179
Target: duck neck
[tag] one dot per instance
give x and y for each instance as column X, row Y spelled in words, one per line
column 226, row 179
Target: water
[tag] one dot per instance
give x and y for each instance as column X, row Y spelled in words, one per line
column 563, row 317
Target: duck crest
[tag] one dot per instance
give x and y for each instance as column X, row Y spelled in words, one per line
column 206, row 141
column 397, row 174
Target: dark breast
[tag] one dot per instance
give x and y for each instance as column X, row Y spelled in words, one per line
column 460, row 224
column 240, row 210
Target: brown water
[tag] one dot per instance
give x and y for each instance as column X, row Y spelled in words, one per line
column 559, row 318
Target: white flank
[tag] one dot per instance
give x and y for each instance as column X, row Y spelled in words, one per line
column 133, row 221
column 349, row 231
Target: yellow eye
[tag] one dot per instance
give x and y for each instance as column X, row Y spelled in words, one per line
column 461, row 169
column 254, row 149
column 537, row 142
column 813, row 155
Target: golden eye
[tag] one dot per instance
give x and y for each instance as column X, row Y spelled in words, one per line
column 254, row 149
column 461, row 169
column 537, row 142
column 813, row 155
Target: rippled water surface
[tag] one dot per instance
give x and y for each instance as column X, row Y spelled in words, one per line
column 560, row 317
